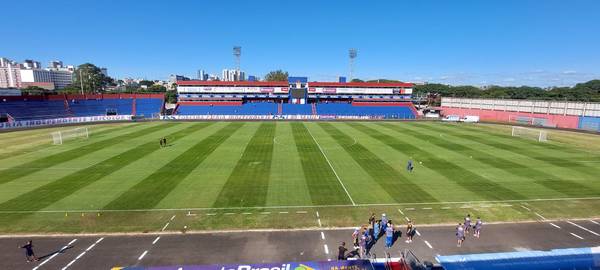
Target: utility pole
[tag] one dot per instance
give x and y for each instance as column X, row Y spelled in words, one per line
column 81, row 80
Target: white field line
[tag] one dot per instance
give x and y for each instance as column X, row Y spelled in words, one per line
column 142, row 256
column 82, row 253
column 165, row 227
column 577, row 236
column 55, row 254
column 301, row 212
column 317, row 213
column 155, row 240
column 322, row 235
column 418, row 233
column 583, row 228
column 401, row 212
column 211, row 214
column 542, row 217
column 592, row 221
column 319, row 221
column 525, row 207
column 326, row 249
column 445, row 207
column 407, row 219
column 283, row 207
column 554, row 225
column 409, row 209
column 284, row 212
column 427, row 208
column 334, row 172
column 173, row 217
column 427, row 243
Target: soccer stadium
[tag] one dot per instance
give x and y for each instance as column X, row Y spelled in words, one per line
column 248, row 175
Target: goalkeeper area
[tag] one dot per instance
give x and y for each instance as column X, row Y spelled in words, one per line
column 58, row 137
column 251, row 175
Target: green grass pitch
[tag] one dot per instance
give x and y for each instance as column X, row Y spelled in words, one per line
column 239, row 175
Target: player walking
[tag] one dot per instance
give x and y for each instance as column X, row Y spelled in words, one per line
column 460, row 234
column 467, row 223
column 477, row 227
column 409, row 166
column 29, row 251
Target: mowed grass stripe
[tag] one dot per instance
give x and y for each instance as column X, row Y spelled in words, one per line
column 323, row 186
column 521, row 147
column 468, row 180
column 21, row 151
column 149, row 192
column 248, row 183
column 56, row 190
column 564, row 186
column 395, row 184
column 15, row 172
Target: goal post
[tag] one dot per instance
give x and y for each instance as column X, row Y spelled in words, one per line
column 537, row 134
column 59, row 137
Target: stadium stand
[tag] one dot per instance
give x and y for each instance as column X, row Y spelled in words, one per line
column 298, row 109
column 389, row 111
column 226, row 108
column 62, row 106
column 297, row 99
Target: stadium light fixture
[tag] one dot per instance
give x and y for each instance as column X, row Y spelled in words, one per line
column 352, row 53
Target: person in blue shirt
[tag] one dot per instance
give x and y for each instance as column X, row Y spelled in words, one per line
column 389, row 235
column 409, row 165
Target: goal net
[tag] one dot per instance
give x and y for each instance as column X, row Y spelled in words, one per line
column 59, row 137
column 536, row 134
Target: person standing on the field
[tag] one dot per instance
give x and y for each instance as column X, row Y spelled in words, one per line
column 389, row 234
column 342, row 251
column 384, row 222
column 409, row 165
column 160, row 141
column 477, row 227
column 165, row 141
column 460, row 235
column 410, row 232
column 376, row 230
column 29, row 251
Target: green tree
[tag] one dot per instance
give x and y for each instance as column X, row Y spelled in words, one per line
column 91, row 78
column 276, row 76
column 171, row 96
column 357, row 80
column 146, row 83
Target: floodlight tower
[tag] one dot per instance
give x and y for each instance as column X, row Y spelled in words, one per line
column 352, row 53
column 237, row 52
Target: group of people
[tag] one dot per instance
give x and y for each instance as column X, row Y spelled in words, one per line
column 364, row 237
column 464, row 229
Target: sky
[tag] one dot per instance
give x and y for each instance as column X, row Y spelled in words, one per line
column 502, row 42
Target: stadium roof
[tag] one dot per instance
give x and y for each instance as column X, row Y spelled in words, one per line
column 235, row 83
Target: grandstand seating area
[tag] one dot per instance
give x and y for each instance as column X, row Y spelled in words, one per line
column 61, row 106
column 388, row 110
column 259, row 108
column 397, row 111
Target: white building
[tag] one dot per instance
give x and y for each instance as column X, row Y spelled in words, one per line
column 10, row 77
column 229, row 75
